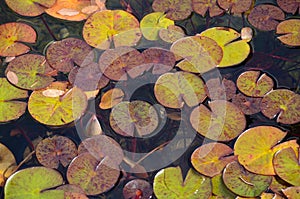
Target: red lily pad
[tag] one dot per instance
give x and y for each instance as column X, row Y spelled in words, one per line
column 219, row 188
column 137, row 188
column 222, row 122
column 128, row 117
column 30, row 72
column 210, row 159
column 176, row 89
column 28, row 7
column 243, row 182
column 290, row 30
column 248, row 105
column 202, row 6
column 117, row 63
column 12, row 36
column 287, row 165
column 283, row 104
column 62, row 55
column 235, row 6
column 50, row 152
column 111, row 98
column 72, row 191
column 292, row 192
column 107, row 27
column 254, row 84
column 289, row 6
column 265, row 17
column 220, row 90
column 175, row 10
column 92, row 175
column 171, row 34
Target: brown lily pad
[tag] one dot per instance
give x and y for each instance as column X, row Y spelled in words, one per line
column 292, row 192
column 171, row 34
column 72, row 191
column 174, row 9
column 220, row 90
column 7, row 163
column 290, row 30
column 202, row 6
column 249, row 105
column 289, row 6
column 111, row 98
column 235, row 6
column 137, row 188
column 265, row 17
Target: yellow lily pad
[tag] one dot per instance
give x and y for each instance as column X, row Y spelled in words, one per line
column 290, row 30
column 29, row 7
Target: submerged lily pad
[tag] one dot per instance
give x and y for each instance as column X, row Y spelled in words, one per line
column 28, row 7
column 137, row 188
column 290, row 30
column 10, row 100
column 283, row 104
column 29, row 72
column 174, row 9
column 111, row 26
column 34, row 183
column 202, row 6
column 222, row 122
column 168, row 183
column 243, row 182
column 12, row 37
column 235, row 6
column 7, row 163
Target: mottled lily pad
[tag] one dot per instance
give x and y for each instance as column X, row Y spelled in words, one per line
column 254, row 84
column 62, row 55
column 171, row 34
column 176, row 89
column 220, row 90
column 197, row 54
column 51, row 152
column 289, row 6
column 92, row 175
column 29, row 72
column 57, row 106
column 292, row 192
column 256, row 147
column 168, row 183
column 235, row 6
column 290, row 30
column 7, row 163
column 210, row 159
column 202, row 6
column 34, row 183
column 265, row 17
column 10, row 100
column 137, row 188
column 28, row 7
column 248, row 105
column 111, row 26
column 287, row 165
column 72, row 191
column 243, row 182
column 12, row 37
column 174, row 9
column 219, row 188
column 128, row 117
column 283, row 104
column 152, row 23
column 222, row 122
column 111, row 98
column 278, row 185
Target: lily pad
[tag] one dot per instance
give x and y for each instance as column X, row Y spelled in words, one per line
column 92, row 175
column 243, row 182
column 72, row 192
column 126, row 117
column 171, row 34
column 210, row 159
column 254, row 84
column 28, row 7
column 219, row 188
column 278, row 185
column 248, row 105
column 10, row 100
column 235, row 6
column 152, row 23
column 34, row 183
column 256, row 147
column 283, row 104
column 174, row 9
column 287, row 165
column 56, row 106
column 168, row 183
column 202, row 6
column 51, row 152
column 62, row 55
column 111, row 26
column 289, row 6
column 12, row 37
column 290, row 30
column 7, row 163
column 111, row 98
column 220, row 90
column 137, row 188
column 176, row 89
column 292, row 192
column 222, row 122
column 265, row 17
column 197, row 54
column 234, row 51
column 30, row 72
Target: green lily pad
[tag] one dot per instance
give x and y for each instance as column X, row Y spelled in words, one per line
column 176, row 89
column 50, row 152
column 243, row 182
column 202, row 6
column 210, row 159
column 29, row 7
column 92, row 175
column 256, row 147
column 56, row 106
column 254, row 84
column 287, row 165
column 220, row 189
column 283, row 104
column 278, row 185
column 174, row 9
column 34, row 183
column 168, row 183
column 137, row 188
column 292, row 192
column 222, row 122
column 9, row 100
column 30, row 72
column 136, row 118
